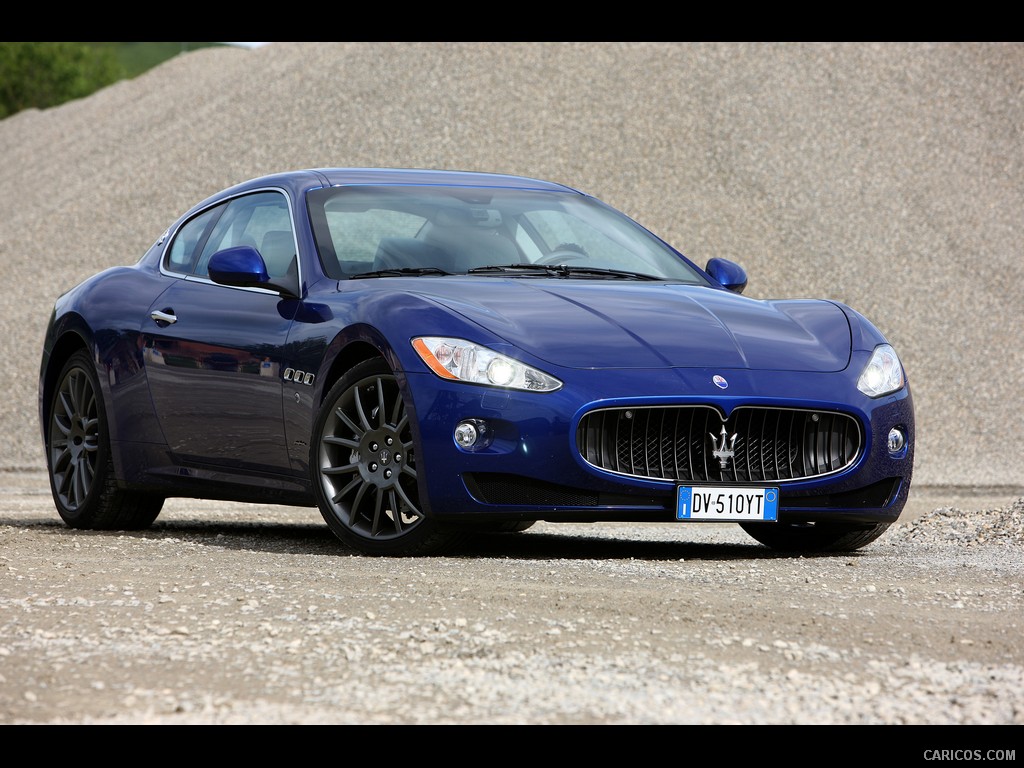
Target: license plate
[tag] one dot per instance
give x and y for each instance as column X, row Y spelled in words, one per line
column 720, row 504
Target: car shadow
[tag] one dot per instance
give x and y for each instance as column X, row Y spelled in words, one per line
column 315, row 539
column 548, row 545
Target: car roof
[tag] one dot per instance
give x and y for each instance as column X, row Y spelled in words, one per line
column 299, row 181
column 332, row 177
column 344, row 176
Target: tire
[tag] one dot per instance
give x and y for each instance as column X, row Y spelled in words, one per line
column 814, row 537
column 365, row 468
column 79, row 461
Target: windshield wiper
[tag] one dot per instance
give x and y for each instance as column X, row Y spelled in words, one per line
column 400, row 271
column 569, row 271
column 499, row 269
column 561, row 270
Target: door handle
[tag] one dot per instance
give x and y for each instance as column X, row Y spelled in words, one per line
column 163, row 317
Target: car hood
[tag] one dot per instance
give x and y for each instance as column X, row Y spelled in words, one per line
column 600, row 324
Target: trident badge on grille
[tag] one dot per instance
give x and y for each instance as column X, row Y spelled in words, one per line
column 723, row 451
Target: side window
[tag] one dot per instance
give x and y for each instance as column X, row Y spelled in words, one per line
column 260, row 220
column 182, row 254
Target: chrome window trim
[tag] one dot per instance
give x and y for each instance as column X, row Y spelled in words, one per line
column 170, row 236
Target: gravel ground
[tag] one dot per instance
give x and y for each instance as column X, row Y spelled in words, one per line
column 884, row 175
column 241, row 614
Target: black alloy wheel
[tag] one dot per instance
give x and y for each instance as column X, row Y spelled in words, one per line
column 81, row 468
column 366, row 468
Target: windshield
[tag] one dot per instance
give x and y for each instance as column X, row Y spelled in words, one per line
column 430, row 230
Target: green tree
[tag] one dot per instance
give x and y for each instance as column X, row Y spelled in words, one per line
column 47, row 74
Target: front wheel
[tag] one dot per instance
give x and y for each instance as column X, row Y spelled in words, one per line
column 814, row 537
column 365, row 467
column 79, row 461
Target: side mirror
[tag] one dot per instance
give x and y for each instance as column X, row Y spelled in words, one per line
column 243, row 267
column 728, row 274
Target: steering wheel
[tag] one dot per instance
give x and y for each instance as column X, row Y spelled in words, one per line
column 558, row 256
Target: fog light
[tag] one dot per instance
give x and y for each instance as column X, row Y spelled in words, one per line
column 897, row 440
column 472, row 434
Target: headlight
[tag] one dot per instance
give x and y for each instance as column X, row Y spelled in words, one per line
column 883, row 374
column 461, row 360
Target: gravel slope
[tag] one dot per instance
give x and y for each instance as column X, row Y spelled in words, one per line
column 888, row 176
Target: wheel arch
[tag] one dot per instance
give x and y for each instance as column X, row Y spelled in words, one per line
column 66, row 344
column 351, row 346
column 348, row 356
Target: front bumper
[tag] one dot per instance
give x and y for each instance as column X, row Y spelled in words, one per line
column 532, row 468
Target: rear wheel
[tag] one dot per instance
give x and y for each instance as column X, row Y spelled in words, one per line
column 79, row 461
column 814, row 537
column 365, row 468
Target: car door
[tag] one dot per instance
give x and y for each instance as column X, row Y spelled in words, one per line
column 212, row 352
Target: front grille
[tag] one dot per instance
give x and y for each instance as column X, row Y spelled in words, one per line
column 678, row 443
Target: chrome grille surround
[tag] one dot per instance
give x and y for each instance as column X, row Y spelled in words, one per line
column 677, row 443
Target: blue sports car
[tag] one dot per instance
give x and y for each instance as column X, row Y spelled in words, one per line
column 426, row 354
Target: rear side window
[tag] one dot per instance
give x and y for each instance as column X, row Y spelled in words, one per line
column 181, row 256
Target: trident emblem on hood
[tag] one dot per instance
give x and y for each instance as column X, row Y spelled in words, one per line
column 723, row 450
